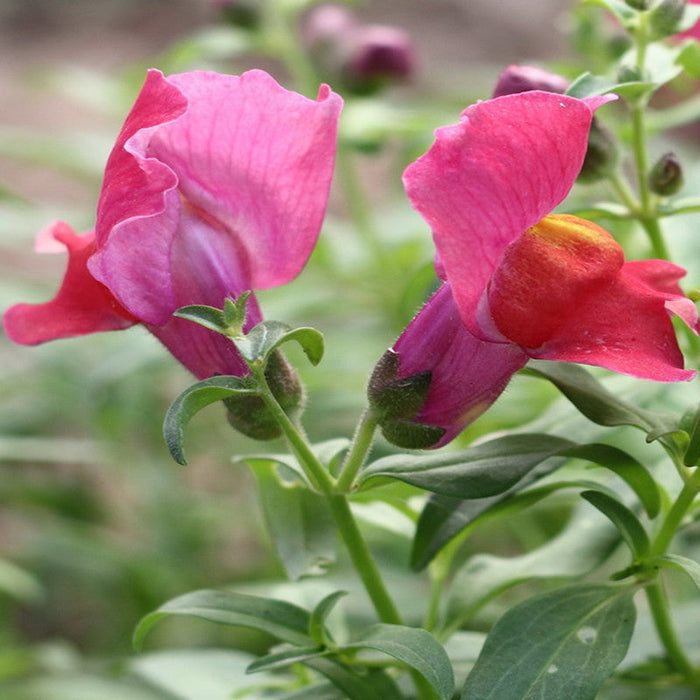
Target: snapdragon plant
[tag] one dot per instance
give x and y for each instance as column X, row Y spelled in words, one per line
column 217, row 188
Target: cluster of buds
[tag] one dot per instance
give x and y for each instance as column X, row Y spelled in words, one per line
column 362, row 58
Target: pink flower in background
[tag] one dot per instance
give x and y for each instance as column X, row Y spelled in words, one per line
column 217, row 184
column 522, row 282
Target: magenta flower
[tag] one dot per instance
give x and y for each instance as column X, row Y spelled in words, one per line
column 217, row 184
column 527, row 283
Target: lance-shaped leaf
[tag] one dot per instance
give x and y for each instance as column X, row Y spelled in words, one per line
column 285, row 621
column 373, row 685
column 633, row 472
column 416, row 648
column 675, row 561
column 487, row 469
column 598, row 404
column 583, row 545
column 624, row 520
column 191, row 401
column 559, row 645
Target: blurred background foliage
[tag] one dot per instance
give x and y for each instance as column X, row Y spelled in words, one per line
column 97, row 525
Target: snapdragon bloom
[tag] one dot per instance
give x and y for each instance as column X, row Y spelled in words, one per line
column 217, row 184
column 519, row 281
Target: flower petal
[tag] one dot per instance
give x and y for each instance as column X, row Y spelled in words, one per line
column 83, row 305
column 508, row 163
column 468, row 374
column 626, row 327
column 249, row 159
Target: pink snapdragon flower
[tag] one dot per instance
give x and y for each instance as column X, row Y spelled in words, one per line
column 521, row 282
column 217, row 184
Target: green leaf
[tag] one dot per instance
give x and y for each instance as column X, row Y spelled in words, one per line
column 595, row 402
column 589, row 85
column 193, row 400
column 262, row 339
column 285, row 657
column 624, row 520
column 620, row 9
column 208, row 316
column 585, row 543
column 487, row 469
column 282, row 620
column 444, row 517
column 687, row 566
column 317, row 624
column 416, row 648
column 559, row 645
column 633, row 472
column 298, row 520
column 373, row 685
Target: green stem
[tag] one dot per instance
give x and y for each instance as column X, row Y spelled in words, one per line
column 359, row 449
column 363, row 560
column 350, row 533
column 658, row 605
column 658, row 602
column 675, row 515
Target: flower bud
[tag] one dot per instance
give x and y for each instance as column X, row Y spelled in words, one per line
column 249, row 414
column 364, row 57
column 601, row 154
column 665, row 17
column 638, row 4
column 378, row 55
column 666, row 177
column 517, row 78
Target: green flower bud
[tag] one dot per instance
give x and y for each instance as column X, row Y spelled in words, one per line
column 251, row 416
column 638, row 4
column 665, row 17
column 666, row 177
column 601, row 154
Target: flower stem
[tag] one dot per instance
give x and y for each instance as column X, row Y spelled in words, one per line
column 656, row 596
column 319, row 476
column 363, row 560
column 359, row 449
column 658, row 605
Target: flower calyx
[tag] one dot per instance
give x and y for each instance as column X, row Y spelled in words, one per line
column 395, row 402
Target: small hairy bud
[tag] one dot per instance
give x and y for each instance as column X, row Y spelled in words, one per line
column 250, row 415
column 601, row 154
column 666, row 177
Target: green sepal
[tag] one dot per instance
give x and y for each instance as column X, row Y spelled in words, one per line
column 624, row 520
column 559, row 645
column 284, row 621
column 191, row 401
column 411, row 435
column 393, row 398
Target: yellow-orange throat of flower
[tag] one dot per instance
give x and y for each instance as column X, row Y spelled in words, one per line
column 547, row 273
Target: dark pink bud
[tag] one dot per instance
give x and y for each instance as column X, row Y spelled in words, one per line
column 379, row 54
column 516, row 79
